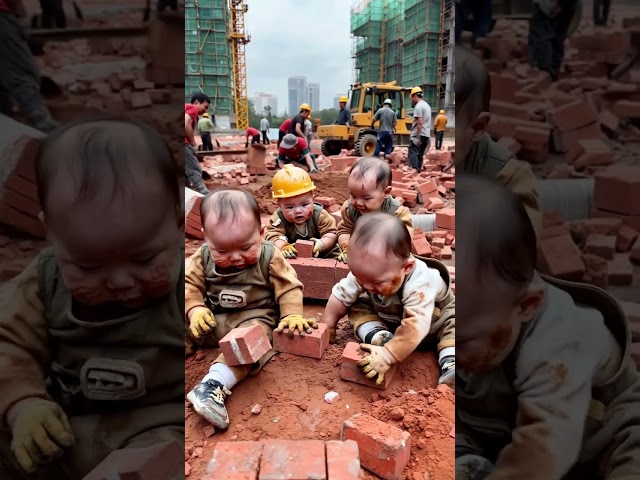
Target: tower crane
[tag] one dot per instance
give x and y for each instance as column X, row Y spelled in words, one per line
column 238, row 39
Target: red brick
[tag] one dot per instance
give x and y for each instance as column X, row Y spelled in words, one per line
column 594, row 152
column 304, row 248
column 293, row 459
column 555, row 231
column 601, row 245
column 350, row 371
column 234, row 460
column 564, row 141
column 560, row 257
column 531, row 135
column 397, row 175
column 435, row 203
column 500, row 127
column 410, row 198
column 164, row 460
column 427, row 187
column 384, row 449
column 316, row 274
column 421, row 246
column 339, row 163
column 333, row 208
column 626, row 109
column 341, row 271
column 343, row 460
column 503, row 87
column 325, row 201
column 159, row 95
column 620, row 270
column 510, row 109
column 308, row 345
column 140, row 100
column 438, row 242
column 573, row 115
column 626, row 238
column 446, row 218
column 244, row 346
column 609, row 123
column 617, row 189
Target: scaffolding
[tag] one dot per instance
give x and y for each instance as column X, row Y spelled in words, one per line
column 403, row 40
column 208, row 54
column 238, row 39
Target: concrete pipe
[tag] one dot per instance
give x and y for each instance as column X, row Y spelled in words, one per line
column 573, row 198
column 426, row 222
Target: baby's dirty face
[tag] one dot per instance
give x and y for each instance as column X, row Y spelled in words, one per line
column 234, row 244
column 377, row 272
column 366, row 196
column 297, row 209
column 124, row 255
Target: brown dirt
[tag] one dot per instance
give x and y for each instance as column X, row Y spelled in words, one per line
column 291, row 390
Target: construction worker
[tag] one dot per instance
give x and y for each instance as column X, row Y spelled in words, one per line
column 284, row 129
column 298, row 217
column 264, row 128
column 548, row 31
column 52, row 14
column 296, row 149
column 254, row 134
column 193, row 172
column 205, row 127
column 482, row 13
column 420, row 140
column 19, row 75
column 344, row 114
column 387, row 118
column 601, row 11
column 297, row 126
column 308, row 128
column 439, row 126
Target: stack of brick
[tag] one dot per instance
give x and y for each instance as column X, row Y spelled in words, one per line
column 192, row 220
column 278, row 459
column 617, row 194
column 439, row 243
column 122, row 91
column 19, row 204
column 576, row 115
column 429, row 188
column 256, row 157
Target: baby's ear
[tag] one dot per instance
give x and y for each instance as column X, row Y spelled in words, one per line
column 480, row 125
column 408, row 265
column 387, row 190
column 530, row 303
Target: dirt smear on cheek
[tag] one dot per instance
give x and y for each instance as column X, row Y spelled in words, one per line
column 393, row 287
column 498, row 342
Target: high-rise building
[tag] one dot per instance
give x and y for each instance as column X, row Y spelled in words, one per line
column 297, row 94
column 313, row 96
column 262, row 100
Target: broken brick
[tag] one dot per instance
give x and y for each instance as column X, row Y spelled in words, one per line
column 139, row 100
column 294, row 459
column 626, row 238
column 572, row 116
column 617, row 189
column 594, row 152
column 350, row 371
column 560, row 257
column 325, row 201
column 620, row 270
column 609, row 123
column 384, row 449
column 446, row 218
column 310, row 345
column 237, row 460
column 626, row 109
column 304, row 248
column 596, row 271
column 601, row 245
column 421, row 246
column 343, row 460
column 244, row 345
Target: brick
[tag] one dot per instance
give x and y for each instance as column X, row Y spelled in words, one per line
column 397, row 175
column 510, row 109
column 140, row 100
column 555, row 231
column 560, row 257
column 626, row 109
column 531, row 135
column 316, row 274
column 427, row 187
column 159, row 95
column 617, row 189
column 325, row 201
column 164, row 460
column 503, row 87
column 564, row 141
column 384, row 449
column 234, row 460
column 244, row 346
column 626, row 238
column 333, row 208
column 620, row 270
column 256, row 157
column 141, row 84
column 343, row 460
column 304, row 248
column 435, row 203
column 446, row 218
column 350, row 371
column 293, row 459
column 609, row 123
column 410, row 198
column 573, row 115
column 341, row 271
column 594, row 152
column 310, row 345
column 192, row 201
column 421, row 246
column 601, row 245
column 596, row 271
column 340, row 163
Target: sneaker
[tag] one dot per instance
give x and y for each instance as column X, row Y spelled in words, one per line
column 207, row 399
column 448, row 372
column 381, row 337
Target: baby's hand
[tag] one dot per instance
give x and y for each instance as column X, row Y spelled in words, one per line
column 40, row 429
column 201, row 321
column 291, row 322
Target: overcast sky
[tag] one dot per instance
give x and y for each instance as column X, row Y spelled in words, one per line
column 299, row 37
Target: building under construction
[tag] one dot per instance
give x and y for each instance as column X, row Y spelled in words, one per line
column 214, row 57
column 409, row 41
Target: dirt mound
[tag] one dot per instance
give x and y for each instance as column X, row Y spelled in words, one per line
column 290, row 390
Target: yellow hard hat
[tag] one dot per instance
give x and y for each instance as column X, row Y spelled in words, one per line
column 305, row 106
column 441, row 112
column 291, row 181
column 205, row 115
column 415, row 90
column 343, row 99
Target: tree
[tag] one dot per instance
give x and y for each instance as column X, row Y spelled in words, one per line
column 267, row 112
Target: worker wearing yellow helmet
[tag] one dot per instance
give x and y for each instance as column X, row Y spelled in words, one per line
column 344, row 114
column 297, row 126
column 298, row 217
column 420, row 130
column 439, row 126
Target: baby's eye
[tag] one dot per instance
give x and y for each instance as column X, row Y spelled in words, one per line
column 244, row 249
column 89, row 268
column 145, row 260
